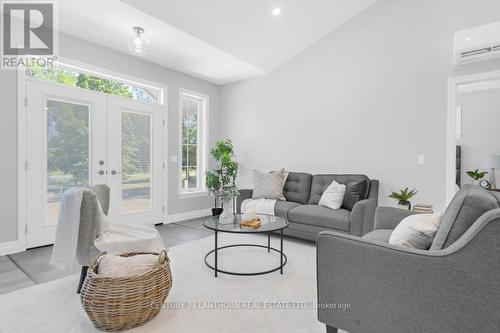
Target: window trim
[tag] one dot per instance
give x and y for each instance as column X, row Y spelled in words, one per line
column 201, row 190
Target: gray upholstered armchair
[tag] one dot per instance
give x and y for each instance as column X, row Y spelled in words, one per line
column 379, row 288
column 89, row 218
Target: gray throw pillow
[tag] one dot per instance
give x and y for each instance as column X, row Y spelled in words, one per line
column 355, row 191
column 268, row 185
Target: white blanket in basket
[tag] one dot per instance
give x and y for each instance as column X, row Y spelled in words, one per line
column 117, row 238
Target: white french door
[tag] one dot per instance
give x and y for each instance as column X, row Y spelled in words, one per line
column 135, row 156
column 81, row 138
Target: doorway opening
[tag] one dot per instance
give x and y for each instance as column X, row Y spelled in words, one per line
column 472, row 137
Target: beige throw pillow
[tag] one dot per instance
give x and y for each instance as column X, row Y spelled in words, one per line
column 268, row 185
column 333, row 196
column 416, row 231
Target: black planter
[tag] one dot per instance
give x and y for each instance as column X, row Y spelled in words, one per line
column 216, row 211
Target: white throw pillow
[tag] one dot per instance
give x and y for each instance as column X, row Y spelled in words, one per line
column 416, row 231
column 333, row 196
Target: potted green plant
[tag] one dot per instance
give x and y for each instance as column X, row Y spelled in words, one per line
column 476, row 175
column 221, row 180
column 403, row 197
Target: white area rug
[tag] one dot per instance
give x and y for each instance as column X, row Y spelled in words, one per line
column 55, row 307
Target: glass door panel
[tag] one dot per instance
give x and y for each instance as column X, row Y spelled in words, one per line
column 136, row 162
column 67, row 151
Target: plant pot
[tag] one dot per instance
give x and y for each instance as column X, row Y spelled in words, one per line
column 476, row 182
column 216, row 211
column 404, row 205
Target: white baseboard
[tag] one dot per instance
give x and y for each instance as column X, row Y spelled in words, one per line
column 188, row 215
column 10, row 248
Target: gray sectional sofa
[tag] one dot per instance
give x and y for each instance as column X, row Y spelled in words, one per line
column 303, row 192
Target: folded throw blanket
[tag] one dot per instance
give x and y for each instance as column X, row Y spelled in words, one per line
column 261, row 206
column 68, row 226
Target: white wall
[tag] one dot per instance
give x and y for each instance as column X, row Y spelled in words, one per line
column 8, row 151
column 95, row 55
column 480, row 133
column 368, row 98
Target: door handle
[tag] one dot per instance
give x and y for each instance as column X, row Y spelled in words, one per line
column 101, row 172
column 114, row 172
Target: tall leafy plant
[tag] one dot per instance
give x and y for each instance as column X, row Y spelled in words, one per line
column 221, row 180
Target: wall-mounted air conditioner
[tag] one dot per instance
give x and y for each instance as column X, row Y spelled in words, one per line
column 477, row 44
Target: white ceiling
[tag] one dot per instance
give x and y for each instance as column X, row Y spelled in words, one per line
column 220, row 41
column 109, row 23
column 247, row 28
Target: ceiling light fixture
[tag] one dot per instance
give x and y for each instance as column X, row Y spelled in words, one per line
column 468, row 39
column 276, row 11
column 139, row 45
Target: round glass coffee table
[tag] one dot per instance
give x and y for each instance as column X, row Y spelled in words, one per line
column 269, row 224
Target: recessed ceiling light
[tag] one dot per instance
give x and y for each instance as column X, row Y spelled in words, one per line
column 468, row 39
column 276, row 11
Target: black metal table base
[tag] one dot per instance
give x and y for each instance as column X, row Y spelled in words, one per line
column 216, row 269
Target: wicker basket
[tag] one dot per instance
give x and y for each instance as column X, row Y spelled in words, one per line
column 120, row 303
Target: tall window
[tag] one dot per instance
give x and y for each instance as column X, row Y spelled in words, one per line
column 192, row 141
